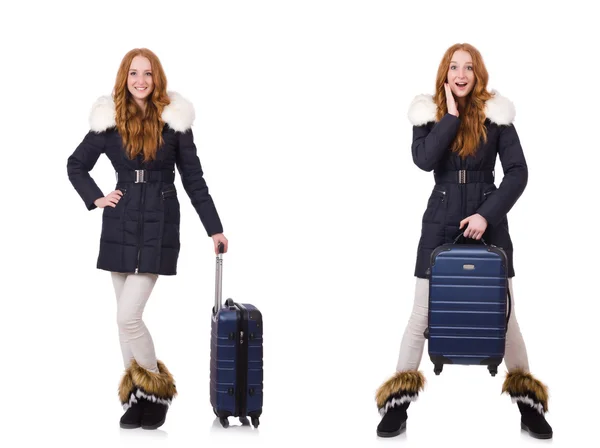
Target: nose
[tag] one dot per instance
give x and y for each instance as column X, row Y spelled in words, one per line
column 138, row 80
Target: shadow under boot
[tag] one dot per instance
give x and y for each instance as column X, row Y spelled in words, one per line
column 393, row 398
column 531, row 396
column 152, row 394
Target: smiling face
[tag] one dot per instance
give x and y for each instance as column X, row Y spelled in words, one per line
column 139, row 80
column 461, row 76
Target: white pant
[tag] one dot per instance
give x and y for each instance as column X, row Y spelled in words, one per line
column 413, row 341
column 133, row 291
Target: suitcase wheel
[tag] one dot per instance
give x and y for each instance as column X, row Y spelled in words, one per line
column 244, row 421
column 224, row 421
column 255, row 422
column 493, row 370
column 438, row 368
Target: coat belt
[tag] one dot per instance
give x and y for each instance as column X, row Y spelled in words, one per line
column 464, row 176
column 143, row 176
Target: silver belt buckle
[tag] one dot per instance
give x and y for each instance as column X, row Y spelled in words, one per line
column 462, row 176
column 139, row 176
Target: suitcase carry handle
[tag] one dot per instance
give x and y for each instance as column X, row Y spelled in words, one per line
column 462, row 233
column 219, row 279
column 509, row 306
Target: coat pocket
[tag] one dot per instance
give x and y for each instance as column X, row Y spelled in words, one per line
column 486, row 194
column 436, row 206
column 170, row 205
column 122, row 199
column 117, row 210
column 169, row 192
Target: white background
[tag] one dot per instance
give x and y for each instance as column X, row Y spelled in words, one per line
column 301, row 127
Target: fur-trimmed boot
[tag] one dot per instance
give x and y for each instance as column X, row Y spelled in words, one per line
column 393, row 398
column 531, row 396
column 146, row 396
column 132, row 418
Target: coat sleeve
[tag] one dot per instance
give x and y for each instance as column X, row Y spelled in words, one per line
column 192, row 178
column 428, row 147
column 79, row 165
column 500, row 201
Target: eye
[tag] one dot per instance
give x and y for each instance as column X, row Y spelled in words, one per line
column 470, row 68
column 453, row 67
column 149, row 74
column 131, row 73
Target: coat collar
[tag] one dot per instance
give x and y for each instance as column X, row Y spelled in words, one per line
column 498, row 109
column 179, row 115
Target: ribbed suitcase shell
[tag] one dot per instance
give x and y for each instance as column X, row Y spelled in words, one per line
column 227, row 365
column 468, row 290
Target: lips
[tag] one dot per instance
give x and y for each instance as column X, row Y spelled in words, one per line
column 461, row 84
column 141, row 89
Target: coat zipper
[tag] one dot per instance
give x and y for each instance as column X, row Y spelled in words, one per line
column 463, row 190
column 442, row 192
column 167, row 193
column 140, row 227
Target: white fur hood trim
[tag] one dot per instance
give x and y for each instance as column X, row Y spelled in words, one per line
column 498, row 109
column 179, row 115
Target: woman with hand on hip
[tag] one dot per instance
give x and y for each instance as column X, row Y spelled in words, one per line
column 145, row 132
column 458, row 133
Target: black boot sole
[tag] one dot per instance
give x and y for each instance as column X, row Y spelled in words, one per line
column 392, row 434
column 129, row 425
column 155, row 426
column 535, row 434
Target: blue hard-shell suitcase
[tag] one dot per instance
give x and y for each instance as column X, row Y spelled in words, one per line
column 236, row 357
column 468, row 306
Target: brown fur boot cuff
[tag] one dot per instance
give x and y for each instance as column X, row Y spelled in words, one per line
column 523, row 387
column 138, row 382
column 402, row 387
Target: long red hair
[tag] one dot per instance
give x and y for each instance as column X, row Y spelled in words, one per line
column 472, row 119
column 140, row 131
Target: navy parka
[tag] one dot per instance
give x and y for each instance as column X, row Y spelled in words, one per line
column 141, row 234
column 467, row 186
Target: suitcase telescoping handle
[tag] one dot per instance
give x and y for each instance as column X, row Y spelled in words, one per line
column 219, row 280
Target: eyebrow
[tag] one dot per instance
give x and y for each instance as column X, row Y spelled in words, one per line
column 454, row 62
column 135, row 69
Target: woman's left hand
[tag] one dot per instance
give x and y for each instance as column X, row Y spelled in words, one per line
column 476, row 225
column 220, row 238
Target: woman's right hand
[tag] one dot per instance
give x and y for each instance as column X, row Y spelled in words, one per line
column 109, row 200
column 450, row 103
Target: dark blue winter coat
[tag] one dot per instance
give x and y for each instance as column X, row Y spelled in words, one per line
column 458, row 194
column 141, row 234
